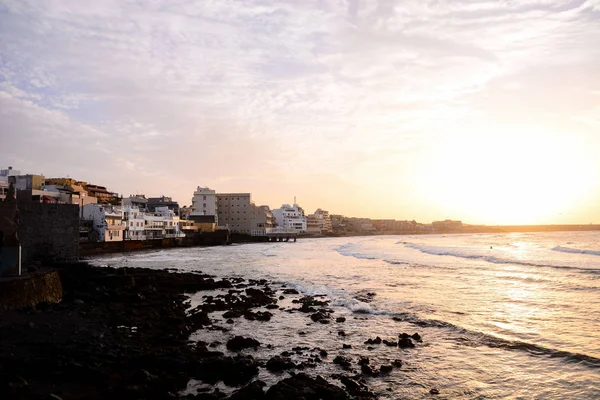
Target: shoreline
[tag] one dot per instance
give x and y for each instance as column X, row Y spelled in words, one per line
column 126, row 332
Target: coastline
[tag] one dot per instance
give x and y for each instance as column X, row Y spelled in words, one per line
column 125, row 332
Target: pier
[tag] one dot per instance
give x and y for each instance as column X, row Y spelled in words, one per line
column 276, row 234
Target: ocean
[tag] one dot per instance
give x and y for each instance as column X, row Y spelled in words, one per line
column 501, row 315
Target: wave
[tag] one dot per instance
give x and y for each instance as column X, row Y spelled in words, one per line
column 576, row 251
column 346, row 251
column 456, row 252
column 474, row 339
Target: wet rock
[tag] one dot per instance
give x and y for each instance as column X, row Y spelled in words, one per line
column 377, row 340
column 368, row 370
column 290, row 291
column 342, row 361
column 405, row 343
column 397, row 363
column 346, row 346
column 434, row 391
column 258, row 316
column 321, row 317
column 390, row 343
column 323, row 353
column 340, row 319
column 238, row 343
column 356, row 388
column 302, row 386
column 278, row 363
column 78, row 301
column 363, row 361
column 417, row 337
column 199, row 319
column 253, row 390
column 233, row 314
column 281, row 297
column 341, row 333
column 229, row 321
column 233, row 371
column 386, row 369
column 272, row 306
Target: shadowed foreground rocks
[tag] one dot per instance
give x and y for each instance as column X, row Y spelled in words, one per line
column 124, row 333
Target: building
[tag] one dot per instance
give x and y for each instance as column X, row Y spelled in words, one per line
column 447, row 226
column 162, row 201
column 204, row 203
column 5, row 173
column 238, row 213
column 108, row 222
column 319, row 222
column 27, row 182
column 134, row 223
column 137, row 201
column 290, row 217
column 162, row 223
column 102, row 195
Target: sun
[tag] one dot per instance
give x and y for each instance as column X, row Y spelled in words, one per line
column 512, row 176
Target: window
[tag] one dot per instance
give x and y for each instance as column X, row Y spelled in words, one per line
column 203, row 197
column 204, row 205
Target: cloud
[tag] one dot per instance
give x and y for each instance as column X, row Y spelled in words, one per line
column 165, row 95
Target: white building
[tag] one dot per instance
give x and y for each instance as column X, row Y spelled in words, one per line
column 5, row 173
column 290, row 217
column 107, row 222
column 204, row 203
column 134, row 224
column 319, row 222
column 162, row 223
column 238, row 213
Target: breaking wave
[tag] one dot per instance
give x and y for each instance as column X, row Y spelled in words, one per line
column 576, row 251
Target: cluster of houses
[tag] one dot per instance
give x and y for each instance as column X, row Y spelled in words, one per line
column 107, row 217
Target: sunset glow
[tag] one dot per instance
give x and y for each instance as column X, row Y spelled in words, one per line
column 484, row 112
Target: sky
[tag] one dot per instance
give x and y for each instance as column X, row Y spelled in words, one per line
column 483, row 111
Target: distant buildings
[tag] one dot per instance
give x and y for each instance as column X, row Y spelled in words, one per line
column 319, row 223
column 447, row 226
column 290, row 217
column 163, row 201
column 204, row 206
column 238, row 213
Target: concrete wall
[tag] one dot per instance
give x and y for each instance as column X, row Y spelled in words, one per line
column 48, row 232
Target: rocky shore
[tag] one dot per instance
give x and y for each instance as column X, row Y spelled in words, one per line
column 126, row 333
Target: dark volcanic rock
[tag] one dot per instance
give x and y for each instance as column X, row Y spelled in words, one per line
column 279, row 363
column 397, row 363
column 356, row 388
column 417, row 337
column 239, row 343
column 346, row 346
column 302, row 386
column 290, row 291
column 340, row 319
column 405, row 343
column 385, row 369
column 321, row 317
column 342, row 361
column 252, row 391
column 363, row 361
column 377, row 340
column 258, row 316
column 233, row 371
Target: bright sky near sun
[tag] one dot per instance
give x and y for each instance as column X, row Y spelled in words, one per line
column 484, row 111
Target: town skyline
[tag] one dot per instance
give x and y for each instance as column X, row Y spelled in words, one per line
column 471, row 110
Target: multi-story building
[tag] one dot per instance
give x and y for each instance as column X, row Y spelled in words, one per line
column 319, row 222
column 137, row 201
column 238, row 213
column 107, row 222
column 290, row 217
column 161, row 223
column 27, row 182
column 102, row 195
column 5, row 173
column 134, row 223
column 204, row 203
column 162, row 201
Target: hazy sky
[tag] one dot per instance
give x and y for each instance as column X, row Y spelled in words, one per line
column 485, row 111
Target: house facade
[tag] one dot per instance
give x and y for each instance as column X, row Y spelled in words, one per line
column 290, row 217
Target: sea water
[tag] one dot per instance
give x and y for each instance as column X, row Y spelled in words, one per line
column 501, row 315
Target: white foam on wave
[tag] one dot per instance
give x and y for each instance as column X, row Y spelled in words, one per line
column 346, row 250
column 474, row 254
column 576, row 251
